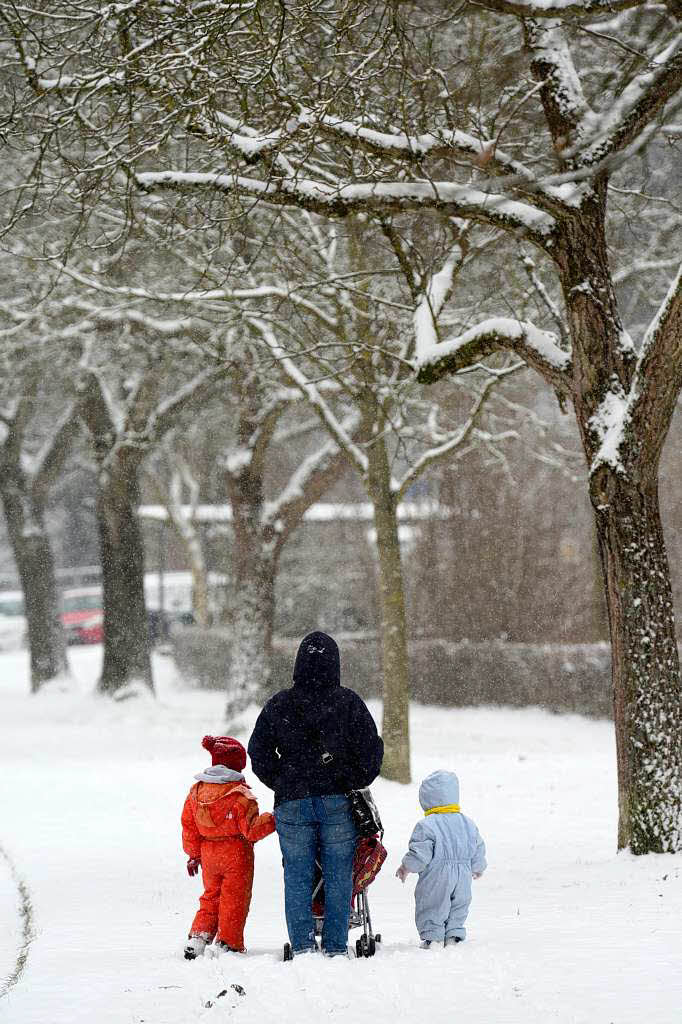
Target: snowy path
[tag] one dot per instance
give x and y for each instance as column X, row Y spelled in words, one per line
column 561, row 928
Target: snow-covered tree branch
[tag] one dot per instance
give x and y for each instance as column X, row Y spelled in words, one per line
column 539, row 349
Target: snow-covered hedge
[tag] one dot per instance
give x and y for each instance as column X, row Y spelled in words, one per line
column 560, row 677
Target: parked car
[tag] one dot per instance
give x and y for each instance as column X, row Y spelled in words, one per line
column 12, row 620
column 82, row 615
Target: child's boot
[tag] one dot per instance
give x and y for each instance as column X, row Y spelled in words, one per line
column 222, row 947
column 195, row 947
column 452, row 940
column 426, row 944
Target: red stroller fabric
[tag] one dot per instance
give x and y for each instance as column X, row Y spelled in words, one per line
column 370, row 854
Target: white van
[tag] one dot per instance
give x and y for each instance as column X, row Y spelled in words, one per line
column 12, row 620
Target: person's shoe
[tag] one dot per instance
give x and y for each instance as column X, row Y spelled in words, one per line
column 426, row 944
column 195, row 947
column 452, row 940
column 222, row 947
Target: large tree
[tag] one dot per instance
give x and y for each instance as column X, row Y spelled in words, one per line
column 38, row 424
column 261, row 529
column 129, row 400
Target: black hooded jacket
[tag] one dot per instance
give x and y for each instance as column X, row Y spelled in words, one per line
column 316, row 738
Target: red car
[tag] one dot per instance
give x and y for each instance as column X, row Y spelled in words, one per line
column 82, row 615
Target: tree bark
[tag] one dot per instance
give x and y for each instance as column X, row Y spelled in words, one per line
column 623, row 406
column 201, row 610
column 259, row 538
column 252, row 605
column 394, row 649
column 126, row 635
column 645, row 664
column 35, row 563
column 647, row 693
column 24, row 497
column 250, row 669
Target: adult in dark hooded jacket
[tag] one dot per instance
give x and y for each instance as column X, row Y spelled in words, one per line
column 311, row 744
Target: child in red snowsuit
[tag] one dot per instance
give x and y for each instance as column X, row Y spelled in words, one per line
column 220, row 824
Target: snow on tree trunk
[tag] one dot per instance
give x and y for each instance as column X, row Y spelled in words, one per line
column 645, row 664
column 250, row 667
column 252, row 602
column 624, row 493
column 35, row 564
column 127, row 659
column 394, row 651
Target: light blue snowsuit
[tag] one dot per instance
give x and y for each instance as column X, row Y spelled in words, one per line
column 445, row 848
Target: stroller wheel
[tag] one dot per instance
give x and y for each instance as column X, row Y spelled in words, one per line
column 288, row 955
column 377, row 938
column 365, row 946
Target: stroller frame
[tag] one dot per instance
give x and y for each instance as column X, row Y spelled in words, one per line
column 360, row 917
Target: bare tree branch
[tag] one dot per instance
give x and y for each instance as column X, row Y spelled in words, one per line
column 658, row 380
column 51, row 459
column 537, row 348
column 558, row 8
column 383, row 197
column 637, row 106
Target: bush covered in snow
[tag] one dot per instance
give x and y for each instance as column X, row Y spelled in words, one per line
column 560, row 677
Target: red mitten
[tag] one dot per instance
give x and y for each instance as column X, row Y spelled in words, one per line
column 193, row 866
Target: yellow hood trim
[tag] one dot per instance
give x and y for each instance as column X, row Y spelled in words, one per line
column 445, row 809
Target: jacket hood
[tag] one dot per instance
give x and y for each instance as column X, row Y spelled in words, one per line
column 219, row 773
column 439, row 789
column 318, row 662
column 206, row 797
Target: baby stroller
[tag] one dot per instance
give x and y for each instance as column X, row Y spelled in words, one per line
column 370, row 854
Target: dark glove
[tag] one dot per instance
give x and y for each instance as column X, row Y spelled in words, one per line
column 193, row 866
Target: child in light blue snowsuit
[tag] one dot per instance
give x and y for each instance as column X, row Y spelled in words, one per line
column 446, row 851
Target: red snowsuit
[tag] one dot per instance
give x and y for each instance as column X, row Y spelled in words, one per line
column 220, row 824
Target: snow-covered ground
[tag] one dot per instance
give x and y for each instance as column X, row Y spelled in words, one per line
column 561, row 928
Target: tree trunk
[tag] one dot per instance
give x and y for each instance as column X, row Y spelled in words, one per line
column 188, row 534
column 647, row 691
column 186, row 530
column 394, row 649
column 645, row 664
column 250, row 668
column 35, row 565
column 201, row 610
column 126, row 635
column 597, row 620
column 252, row 605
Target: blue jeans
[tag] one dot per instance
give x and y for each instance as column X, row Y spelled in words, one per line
column 317, row 826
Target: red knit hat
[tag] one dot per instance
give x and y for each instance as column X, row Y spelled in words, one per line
column 227, row 751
